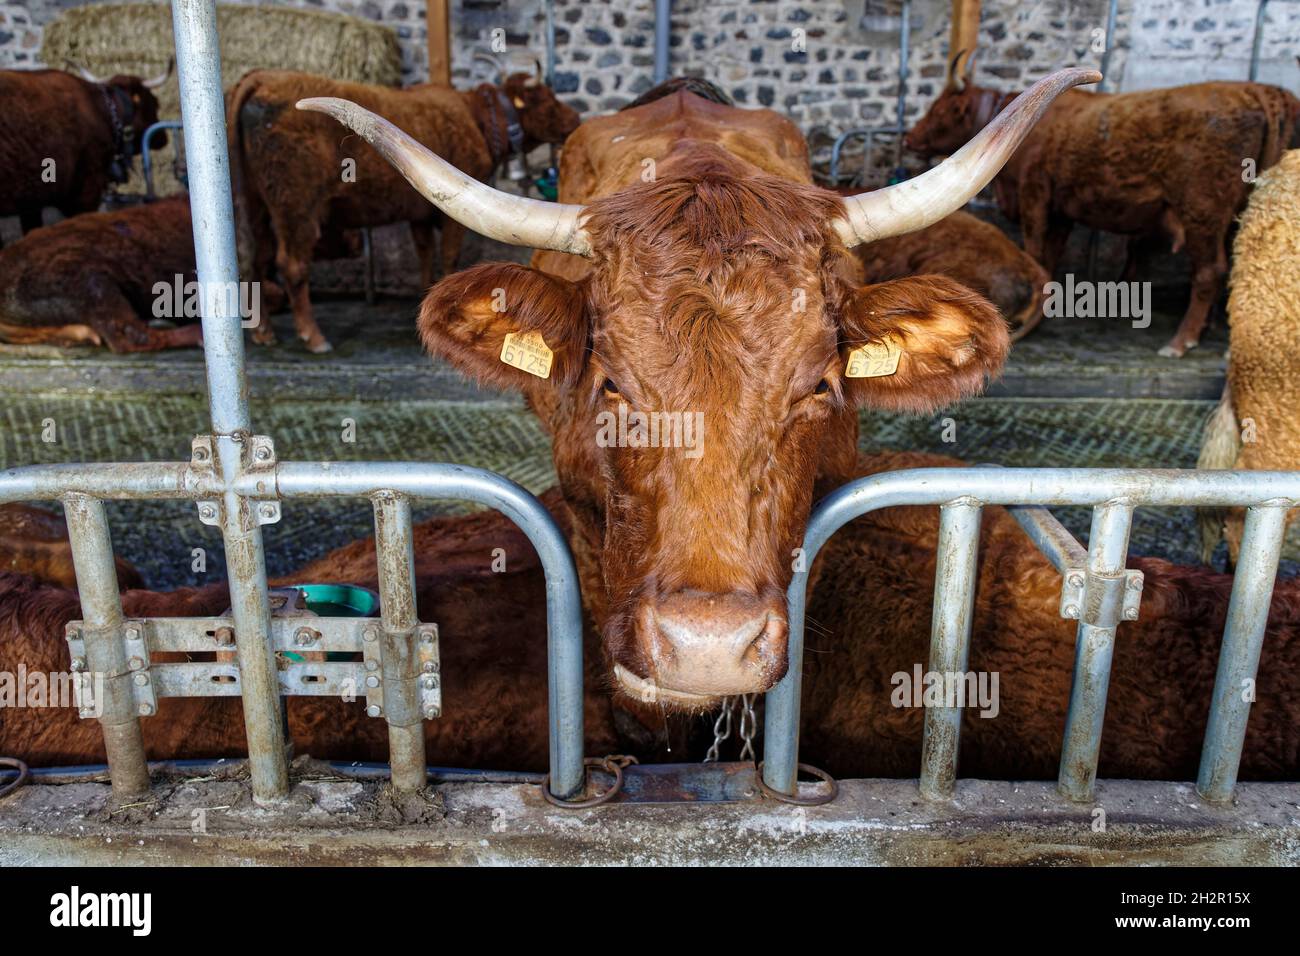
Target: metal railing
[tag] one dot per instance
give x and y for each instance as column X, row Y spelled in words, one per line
column 1097, row 590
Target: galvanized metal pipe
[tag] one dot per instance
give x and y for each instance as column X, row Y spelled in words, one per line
column 1243, row 640
column 1050, row 537
column 1093, row 649
column 1106, row 86
column 954, row 602
column 102, row 625
column 198, row 60
column 663, row 34
column 563, row 598
column 395, row 554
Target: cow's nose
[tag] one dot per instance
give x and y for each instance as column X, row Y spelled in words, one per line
column 714, row 644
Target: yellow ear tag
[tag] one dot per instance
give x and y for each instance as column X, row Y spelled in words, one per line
column 528, row 352
column 874, row 359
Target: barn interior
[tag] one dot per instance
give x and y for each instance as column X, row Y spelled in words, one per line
column 854, row 75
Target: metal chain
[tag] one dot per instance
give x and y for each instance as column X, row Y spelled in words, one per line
column 748, row 726
column 722, row 727
column 721, row 730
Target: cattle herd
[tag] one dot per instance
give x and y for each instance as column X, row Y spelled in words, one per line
column 690, row 263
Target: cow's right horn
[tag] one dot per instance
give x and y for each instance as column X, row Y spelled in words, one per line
column 86, row 74
column 916, row 203
column 508, row 218
column 156, row 81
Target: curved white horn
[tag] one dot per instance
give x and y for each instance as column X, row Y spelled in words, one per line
column 917, row 203
column 86, row 74
column 508, row 218
column 156, row 81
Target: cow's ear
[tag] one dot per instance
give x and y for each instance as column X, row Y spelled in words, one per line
column 919, row 344
column 467, row 317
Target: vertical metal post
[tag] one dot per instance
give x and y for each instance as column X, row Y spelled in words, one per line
column 781, row 705
column 1243, row 639
column 550, row 42
column 101, row 613
column 401, row 663
column 1105, row 86
column 1093, row 650
column 198, row 61
column 663, row 31
column 954, row 601
column 904, row 42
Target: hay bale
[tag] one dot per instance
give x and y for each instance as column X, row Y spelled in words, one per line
column 137, row 38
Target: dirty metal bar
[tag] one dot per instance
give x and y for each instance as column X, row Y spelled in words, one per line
column 663, row 38
column 101, row 611
column 563, row 600
column 400, row 660
column 954, row 601
column 1051, row 538
column 1106, row 85
column 1243, row 639
column 1093, row 649
column 198, row 59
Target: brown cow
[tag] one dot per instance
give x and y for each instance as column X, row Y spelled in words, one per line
column 869, row 620
column 34, row 541
column 99, row 279
column 63, row 138
column 294, row 174
column 1170, row 162
column 694, row 273
column 975, row 253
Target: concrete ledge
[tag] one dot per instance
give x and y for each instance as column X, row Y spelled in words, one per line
column 211, row 820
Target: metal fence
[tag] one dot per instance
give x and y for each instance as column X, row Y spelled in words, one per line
column 237, row 483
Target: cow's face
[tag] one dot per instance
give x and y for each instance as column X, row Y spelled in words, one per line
column 698, row 389
column 948, row 124
column 144, row 111
column 544, row 118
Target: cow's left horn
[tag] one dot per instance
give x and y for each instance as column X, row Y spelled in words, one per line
column 86, row 74
column 156, row 81
column 508, row 218
column 917, row 203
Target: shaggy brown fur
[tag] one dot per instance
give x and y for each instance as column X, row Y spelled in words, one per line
column 975, row 253
column 90, row 280
column 288, row 168
column 1156, row 162
column 1263, row 390
column 34, row 541
column 51, row 115
column 717, row 287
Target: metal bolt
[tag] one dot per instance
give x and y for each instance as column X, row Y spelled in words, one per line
column 224, row 635
column 374, row 711
column 369, row 634
column 200, row 454
column 1076, row 580
column 1130, row 614
column 304, row 636
column 431, row 712
column 133, row 633
column 78, row 664
column 135, row 663
column 430, row 683
column 263, row 453
column 267, row 511
column 372, row 681
column 1135, row 583
column 207, row 511
column 372, row 664
column 426, row 637
column 427, row 667
column 141, row 680
column 1072, row 610
column 146, row 710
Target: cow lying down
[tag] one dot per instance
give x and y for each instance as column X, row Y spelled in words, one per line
column 869, row 620
column 93, row 280
column 34, row 541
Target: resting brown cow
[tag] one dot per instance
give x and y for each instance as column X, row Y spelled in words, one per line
column 63, row 139
column 696, row 275
column 34, row 541
column 975, row 253
column 94, row 280
column 1173, row 163
column 295, row 173
column 869, row 620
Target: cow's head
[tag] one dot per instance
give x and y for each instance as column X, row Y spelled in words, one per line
column 142, row 109
column 717, row 298
column 541, row 114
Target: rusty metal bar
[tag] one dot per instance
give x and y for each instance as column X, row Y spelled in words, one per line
column 395, row 554
column 954, row 602
column 1093, row 649
column 1243, row 640
column 102, row 632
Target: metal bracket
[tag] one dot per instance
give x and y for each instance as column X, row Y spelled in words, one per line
column 259, row 463
column 430, row 679
column 136, row 652
column 1102, row 600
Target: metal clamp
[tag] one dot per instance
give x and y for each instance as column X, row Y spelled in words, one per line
column 258, row 465
column 1103, row 600
column 136, row 653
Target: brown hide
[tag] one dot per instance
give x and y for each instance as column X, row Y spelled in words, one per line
column 975, row 253
column 35, row 542
column 90, row 280
column 1169, row 163
column 50, row 115
column 288, row 168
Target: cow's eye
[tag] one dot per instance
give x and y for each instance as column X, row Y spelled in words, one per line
column 822, row 387
column 609, row 387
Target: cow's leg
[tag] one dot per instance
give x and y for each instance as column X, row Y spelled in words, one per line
column 453, row 234
column 425, row 250
column 296, row 239
column 113, row 318
column 1209, row 266
column 1045, row 235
